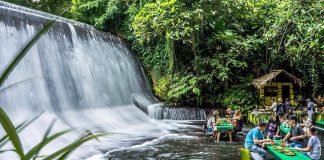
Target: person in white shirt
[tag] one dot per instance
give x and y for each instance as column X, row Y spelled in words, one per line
column 211, row 123
column 314, row 147
column 273, row 106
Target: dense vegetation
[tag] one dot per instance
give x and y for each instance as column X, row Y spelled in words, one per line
column 206, row 52
column 50, row 6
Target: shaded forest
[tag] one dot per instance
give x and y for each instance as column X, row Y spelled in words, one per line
column 206, row 52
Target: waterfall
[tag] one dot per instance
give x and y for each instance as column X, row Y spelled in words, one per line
column 85, row 78
column 159, row 111
column 81, row 76
column 71, row 67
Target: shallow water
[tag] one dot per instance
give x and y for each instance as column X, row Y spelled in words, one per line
column 185, row 142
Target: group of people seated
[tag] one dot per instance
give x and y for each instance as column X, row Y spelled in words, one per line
column 231, row 118
column 301, row 137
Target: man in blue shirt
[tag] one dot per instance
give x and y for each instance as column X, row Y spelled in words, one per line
column 255, row 139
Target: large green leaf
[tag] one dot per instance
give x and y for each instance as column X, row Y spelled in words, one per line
column 72, row 146
column 11, row 132
column 63, row 156
column 23, row 52
column 19, row 128
column 5, row 138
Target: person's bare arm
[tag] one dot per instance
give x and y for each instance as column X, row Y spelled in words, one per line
column 307, row 149
column 271, row 107
column 256, row 141
column 214, row 124
column 286, row 137
column 298, row 137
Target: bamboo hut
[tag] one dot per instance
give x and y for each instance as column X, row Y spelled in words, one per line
column 277, row 84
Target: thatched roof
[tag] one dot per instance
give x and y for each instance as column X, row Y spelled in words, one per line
column 263, row 80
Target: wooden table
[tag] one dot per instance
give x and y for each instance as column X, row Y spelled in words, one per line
column 299, row 155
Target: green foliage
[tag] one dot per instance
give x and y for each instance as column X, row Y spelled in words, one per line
column 69, row 148
column 101, row 13
column 62, row 153
column 33, row 153
column 50, row 6
column 292, row 34
column 216, row 42
column 182, row 87
column 162, row 88
column 178, row 88
column 238, row 97
column 4, row 140
column 169, row 18
column 12, row 134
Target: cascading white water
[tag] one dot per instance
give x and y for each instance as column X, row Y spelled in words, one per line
column 70, row 68
column 85, row 78
column 159, row 111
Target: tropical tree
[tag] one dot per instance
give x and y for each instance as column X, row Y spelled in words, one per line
column 195, row 51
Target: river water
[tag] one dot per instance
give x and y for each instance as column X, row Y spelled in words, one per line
column 185, row 141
